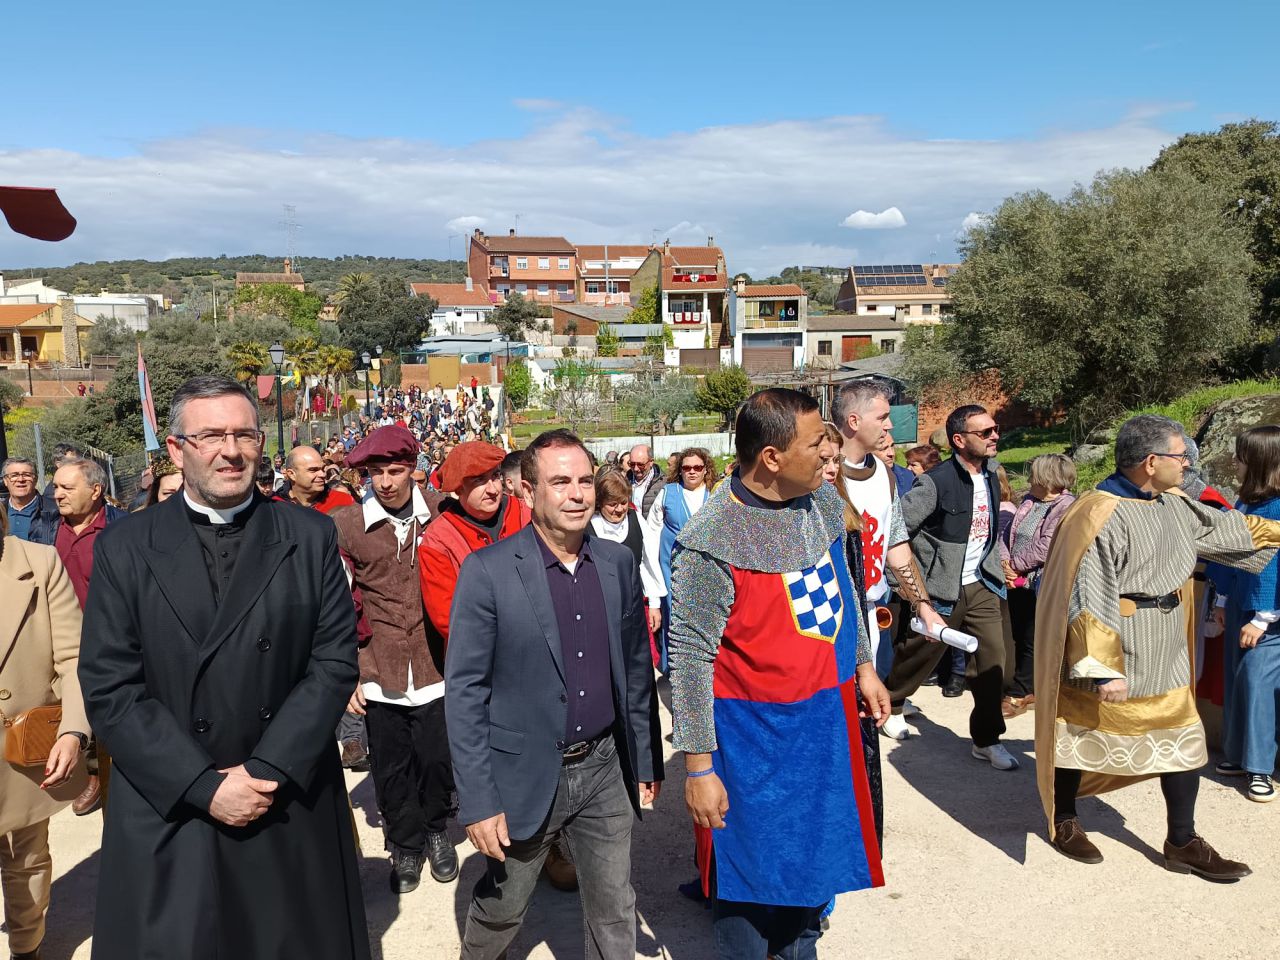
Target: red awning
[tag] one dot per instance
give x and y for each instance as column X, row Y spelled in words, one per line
column 36, row 212
column 265, row 386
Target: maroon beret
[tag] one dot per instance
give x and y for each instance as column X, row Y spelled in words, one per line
column 393, row 444
column 474, row 458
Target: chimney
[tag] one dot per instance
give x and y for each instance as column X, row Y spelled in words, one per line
column 512, row 232
column 470, row 286
column 740, row 285
column 711, row 241
column 70, row 335
column 666, row 247
column 288, row 265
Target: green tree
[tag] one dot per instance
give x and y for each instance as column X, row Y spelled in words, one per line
column 383, row 314
column 574, row 396
column 514, row 316
column 11, row 395
column 657, row 344
column 607, row 341
column 110, row 337
column 659, row 401
column 299, row 309
column 646, row 308
column 247, row 359
column 1122, row 294
column 353, row 288
column 517, row 381
column 723, row 391
column 1241, row 163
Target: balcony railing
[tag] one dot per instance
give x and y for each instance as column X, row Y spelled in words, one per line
column 771, row 323
column 689, row 318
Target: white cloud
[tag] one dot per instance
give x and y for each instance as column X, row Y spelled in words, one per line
column 889, row 219
column 771, row 194
column 465, row 224
column 972, row 220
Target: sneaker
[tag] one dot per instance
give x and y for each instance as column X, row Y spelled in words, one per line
column 909, row 709
column 1261, row 788
column 895, row 728
column 1228, row 769
column 997, row 756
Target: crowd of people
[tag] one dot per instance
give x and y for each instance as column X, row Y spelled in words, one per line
column 485, row 630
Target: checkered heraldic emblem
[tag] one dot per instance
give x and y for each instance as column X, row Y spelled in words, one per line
column 814, row 593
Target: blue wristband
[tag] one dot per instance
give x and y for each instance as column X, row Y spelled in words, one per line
column 701, row 773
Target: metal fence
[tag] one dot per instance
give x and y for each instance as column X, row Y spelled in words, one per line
column 123, row 468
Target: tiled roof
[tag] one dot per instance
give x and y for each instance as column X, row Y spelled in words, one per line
column 453, row 294
column 269, row 278
column 854, row 323
column 12, row 314
column 704, row 261
column 597, row 312
column 696, row 256
column 616, row 251
column 773, row 290
column 526, row 245
column 614, row 273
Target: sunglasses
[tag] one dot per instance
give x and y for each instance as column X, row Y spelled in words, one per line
column 696, row 468
column 986, row 434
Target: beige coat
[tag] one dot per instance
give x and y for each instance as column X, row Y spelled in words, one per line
column 40, row 635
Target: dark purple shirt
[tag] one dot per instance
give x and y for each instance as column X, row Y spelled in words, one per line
column 584, row 643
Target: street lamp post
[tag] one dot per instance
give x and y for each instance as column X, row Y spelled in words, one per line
column 276, row 351
column 368, row 403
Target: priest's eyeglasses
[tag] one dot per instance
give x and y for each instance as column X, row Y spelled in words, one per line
column 209, row 440
column 1185, row 458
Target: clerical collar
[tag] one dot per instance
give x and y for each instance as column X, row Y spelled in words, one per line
column 212, row 514
column 746, row 497
column 1121, row 486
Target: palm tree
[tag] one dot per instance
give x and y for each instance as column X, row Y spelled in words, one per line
column 335, row 361
column 247, row 360
column 351, row 288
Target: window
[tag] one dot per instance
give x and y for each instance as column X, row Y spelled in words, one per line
column 888, row 346
column 564, row 263
column 926, row 309
column 522, row 288
column 543, row 288
column 613, row 286
column 593, row 287
column 504, row 290
column 871, row 308
column 522, row 263
column 544, row 263
column 562, row 288
column 824, row 348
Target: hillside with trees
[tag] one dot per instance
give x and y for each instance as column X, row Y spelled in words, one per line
column 182, row 277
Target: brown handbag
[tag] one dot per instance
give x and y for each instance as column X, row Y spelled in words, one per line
column 30, row 735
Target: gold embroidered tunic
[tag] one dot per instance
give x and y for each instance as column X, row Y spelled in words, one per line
column 1108, row 548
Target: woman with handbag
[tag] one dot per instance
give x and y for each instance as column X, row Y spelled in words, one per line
column 43, row 738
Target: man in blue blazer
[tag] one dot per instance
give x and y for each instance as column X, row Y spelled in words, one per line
column 551, row 708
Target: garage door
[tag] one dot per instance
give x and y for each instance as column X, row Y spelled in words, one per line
column 767, row 359
column 850, row 346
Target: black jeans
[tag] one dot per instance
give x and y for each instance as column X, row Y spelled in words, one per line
column 412, row 774
column 593, row 811
column 1022, row 621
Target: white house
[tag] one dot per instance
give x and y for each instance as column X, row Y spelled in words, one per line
column 460, row 307
column 769, row 323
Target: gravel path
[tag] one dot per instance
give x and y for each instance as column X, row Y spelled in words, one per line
column 969, row 874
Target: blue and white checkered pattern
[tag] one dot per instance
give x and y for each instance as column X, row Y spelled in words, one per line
column 815, row 599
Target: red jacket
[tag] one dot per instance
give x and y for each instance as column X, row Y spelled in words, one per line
column 451, row 538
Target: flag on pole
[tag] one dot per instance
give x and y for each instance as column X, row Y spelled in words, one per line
column 149, row 425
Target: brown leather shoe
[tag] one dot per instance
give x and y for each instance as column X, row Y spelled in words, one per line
column 561, row 872
column 1012, row 707
column 90, row 799
column 1071, row 841
column 1201, row 859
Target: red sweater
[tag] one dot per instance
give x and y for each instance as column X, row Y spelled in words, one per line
column 451, row 538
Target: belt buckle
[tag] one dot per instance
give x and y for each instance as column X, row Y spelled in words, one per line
column 1168, row 603
column 576, row 751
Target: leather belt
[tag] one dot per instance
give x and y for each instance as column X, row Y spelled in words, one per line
column 577, row 751
column 1166, row 604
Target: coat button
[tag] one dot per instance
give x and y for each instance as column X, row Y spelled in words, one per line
column 264, row 644
column 202, row 725
column 5, row 694
column 264, row 713
column 559, row 744
column 563, row 698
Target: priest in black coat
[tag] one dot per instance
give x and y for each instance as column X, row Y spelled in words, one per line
column 219, row 650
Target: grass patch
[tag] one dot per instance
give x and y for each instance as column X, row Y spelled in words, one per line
column 1025, row 443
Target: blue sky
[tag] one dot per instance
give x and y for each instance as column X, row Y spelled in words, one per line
column 799, row 131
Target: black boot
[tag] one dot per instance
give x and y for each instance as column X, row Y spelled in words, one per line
column 954, row 687
column 406, row 870
column 441, row 857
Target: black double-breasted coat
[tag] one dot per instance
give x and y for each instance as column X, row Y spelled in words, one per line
column 174, row 684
